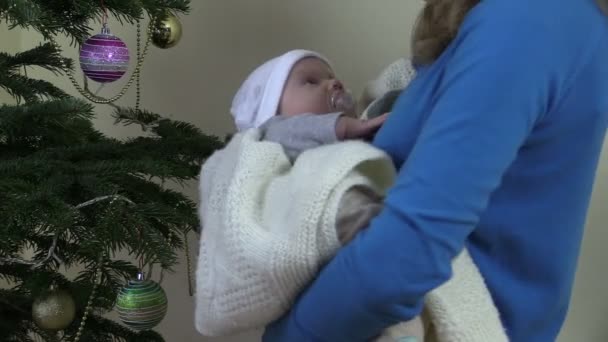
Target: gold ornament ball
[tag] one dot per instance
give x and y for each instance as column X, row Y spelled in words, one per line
column 166, row 31
column 54, row 310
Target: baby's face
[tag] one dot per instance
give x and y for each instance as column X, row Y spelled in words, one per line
column 312, row 87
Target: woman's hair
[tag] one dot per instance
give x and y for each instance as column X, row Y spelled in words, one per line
column 438, row 25
column 603, row 5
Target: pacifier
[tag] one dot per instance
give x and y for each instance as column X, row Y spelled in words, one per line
column 342, row 101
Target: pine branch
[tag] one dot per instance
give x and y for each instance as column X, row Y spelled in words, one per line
column 14, row 314
column 161, row 126
column 138, row 230
column 47, row 56
column 158, row 7
column 28, row 89
column 72, row 17
column 101, row 329
column 57, row 111
column 48, row 256
column 193, row 145
column 24, row 128
column 130, row 116
column 19, row 12
column 116, row 271
column 16, row 302
column 177, row 129
column 21, row 87
column 33, row 283
column 121, row 167
column 44, row 258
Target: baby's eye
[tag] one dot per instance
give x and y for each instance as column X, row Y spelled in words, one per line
column 312, row 81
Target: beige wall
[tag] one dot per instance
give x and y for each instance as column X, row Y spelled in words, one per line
column 589, row 307
column 224, row 40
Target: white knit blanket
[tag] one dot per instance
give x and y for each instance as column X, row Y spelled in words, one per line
column 269, row 226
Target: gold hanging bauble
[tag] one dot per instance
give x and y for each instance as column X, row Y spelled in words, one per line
column 54, row 310
column 166, row 31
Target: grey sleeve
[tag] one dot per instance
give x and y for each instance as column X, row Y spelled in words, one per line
column 301, row 132
column 356, row 209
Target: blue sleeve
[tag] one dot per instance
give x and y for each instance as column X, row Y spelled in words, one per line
column 494, row 88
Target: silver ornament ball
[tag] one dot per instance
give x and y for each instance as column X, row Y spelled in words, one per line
column 54, row 310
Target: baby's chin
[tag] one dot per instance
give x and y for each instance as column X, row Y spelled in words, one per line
column 352, row 112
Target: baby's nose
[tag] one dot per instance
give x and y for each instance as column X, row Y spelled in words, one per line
column 336, row 85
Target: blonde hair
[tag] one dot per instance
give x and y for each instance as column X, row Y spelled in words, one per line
column 438, row 25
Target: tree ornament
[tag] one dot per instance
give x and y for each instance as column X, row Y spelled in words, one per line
column 54, row 310
column 142, row 304
column 104, row 57
column 166, row 31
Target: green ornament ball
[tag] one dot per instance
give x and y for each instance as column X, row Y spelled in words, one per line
column 142, row 304
column 54, row 310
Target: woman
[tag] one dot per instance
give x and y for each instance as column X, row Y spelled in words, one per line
column 497, row 142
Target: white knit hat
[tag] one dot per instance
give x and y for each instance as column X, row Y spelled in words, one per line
column 258, row 98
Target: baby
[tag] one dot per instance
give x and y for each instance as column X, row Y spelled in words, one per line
column 297, row 101
column 304, row 105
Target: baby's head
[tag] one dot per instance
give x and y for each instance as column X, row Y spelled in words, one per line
column 296, row 82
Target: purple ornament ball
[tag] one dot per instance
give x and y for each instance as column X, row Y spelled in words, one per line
column 104, row 58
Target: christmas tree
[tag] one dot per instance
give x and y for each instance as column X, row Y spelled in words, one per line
column 72, row 197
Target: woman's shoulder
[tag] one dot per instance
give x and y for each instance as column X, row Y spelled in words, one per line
column 551, row 15
column 563, row 33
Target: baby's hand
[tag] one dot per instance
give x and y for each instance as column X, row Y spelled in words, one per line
column 352, row 128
